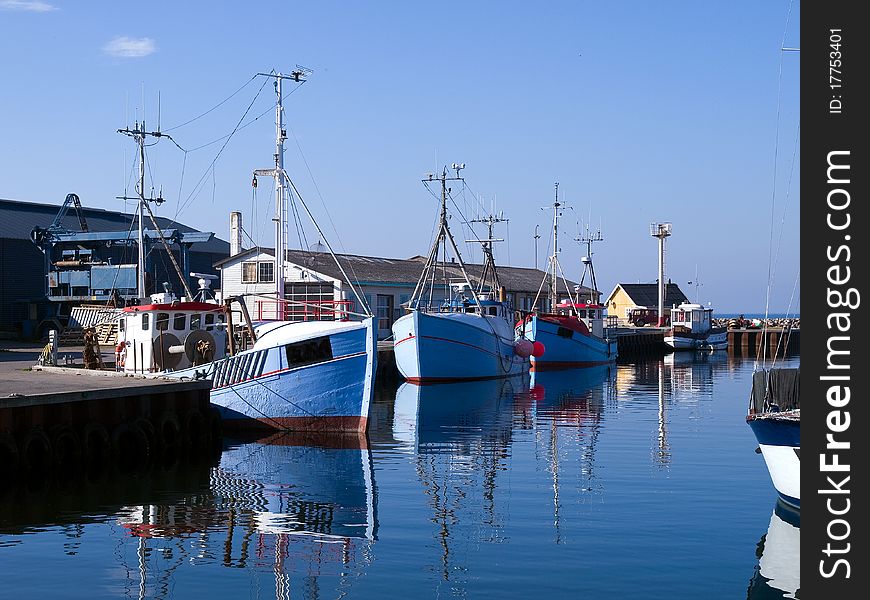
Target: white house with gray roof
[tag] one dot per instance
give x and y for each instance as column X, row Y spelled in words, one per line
column 313, row 278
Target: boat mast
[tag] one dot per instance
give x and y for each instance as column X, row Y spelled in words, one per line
column 588, row 239
column 139, row 134
column 278, row 174
column 554, row 259
column 443, row 236
column 489, row 270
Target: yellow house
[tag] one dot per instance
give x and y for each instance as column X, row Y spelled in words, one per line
column 626, row 296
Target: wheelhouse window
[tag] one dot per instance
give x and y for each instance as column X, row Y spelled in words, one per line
column 179, row 322
column 209, row 321
column 308, row 352
column 195, row 321
column 161, row 323
column 146, row 321
column 122, row 323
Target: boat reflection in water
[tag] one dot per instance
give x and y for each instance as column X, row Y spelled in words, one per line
column 456, row 416
column 778, row 572
column 461, row 438
column 298, row 508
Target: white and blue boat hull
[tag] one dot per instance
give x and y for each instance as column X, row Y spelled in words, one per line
column 442, row 347
column 779, row 439
column 270, row 387
column 567, row 349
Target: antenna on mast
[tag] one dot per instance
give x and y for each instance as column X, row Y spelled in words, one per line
column 277, row 173
column 588, row 239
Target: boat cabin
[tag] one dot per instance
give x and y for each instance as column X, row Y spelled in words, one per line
column 592, row 315
column 169, row 335
column 692, row 317
column 463, row 301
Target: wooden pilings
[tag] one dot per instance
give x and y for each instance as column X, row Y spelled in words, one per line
column 770, row 342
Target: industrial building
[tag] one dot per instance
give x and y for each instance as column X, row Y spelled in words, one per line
column 56, row 256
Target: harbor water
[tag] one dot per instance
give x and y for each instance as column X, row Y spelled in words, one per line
column 638, row 480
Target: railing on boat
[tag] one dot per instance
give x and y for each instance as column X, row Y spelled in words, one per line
column 315, row 310
column 238, row 368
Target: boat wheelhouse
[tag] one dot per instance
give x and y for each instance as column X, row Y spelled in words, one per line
column 169, row 335
column 692, row 329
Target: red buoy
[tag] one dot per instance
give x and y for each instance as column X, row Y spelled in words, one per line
column 523, row 348
column 537, row 349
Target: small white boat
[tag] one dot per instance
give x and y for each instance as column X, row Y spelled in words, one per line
column 775, row 418
column 467, row 336
column 692, row 329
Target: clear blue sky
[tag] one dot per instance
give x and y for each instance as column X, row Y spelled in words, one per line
column 642, row 111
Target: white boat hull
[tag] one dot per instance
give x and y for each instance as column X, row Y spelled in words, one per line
column 717, row 340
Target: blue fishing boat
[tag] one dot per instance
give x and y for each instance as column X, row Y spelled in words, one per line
column 466, row 336
column 573, row 332
column 298, row 375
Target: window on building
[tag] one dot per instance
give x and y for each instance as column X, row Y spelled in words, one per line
column 266, row 272
column 249, row 272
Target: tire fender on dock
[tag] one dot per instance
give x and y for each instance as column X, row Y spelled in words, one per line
column 169, row 430
column 9, row 456
column 96, row 443
column 130, row 444
column 35, row 453
column 66, row 446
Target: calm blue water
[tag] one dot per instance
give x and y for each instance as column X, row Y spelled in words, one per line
column 638, row 481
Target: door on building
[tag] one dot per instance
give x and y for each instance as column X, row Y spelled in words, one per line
column 385, row 315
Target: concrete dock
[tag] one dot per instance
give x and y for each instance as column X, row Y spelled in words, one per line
column 67, row 418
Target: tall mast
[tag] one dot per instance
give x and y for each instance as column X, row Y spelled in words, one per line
column 280, row 177
column 555, row 258
column 444, row 236
column 139, row 134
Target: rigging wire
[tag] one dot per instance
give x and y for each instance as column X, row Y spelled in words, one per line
column 216, row 106
column 770, row 264
column 197, row 187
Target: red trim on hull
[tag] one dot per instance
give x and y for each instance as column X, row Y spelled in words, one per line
column 436, row 380
column 338, row 440
column 349, row 424
column 555, row 365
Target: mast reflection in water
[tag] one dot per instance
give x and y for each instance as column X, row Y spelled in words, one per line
column 634, row 480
